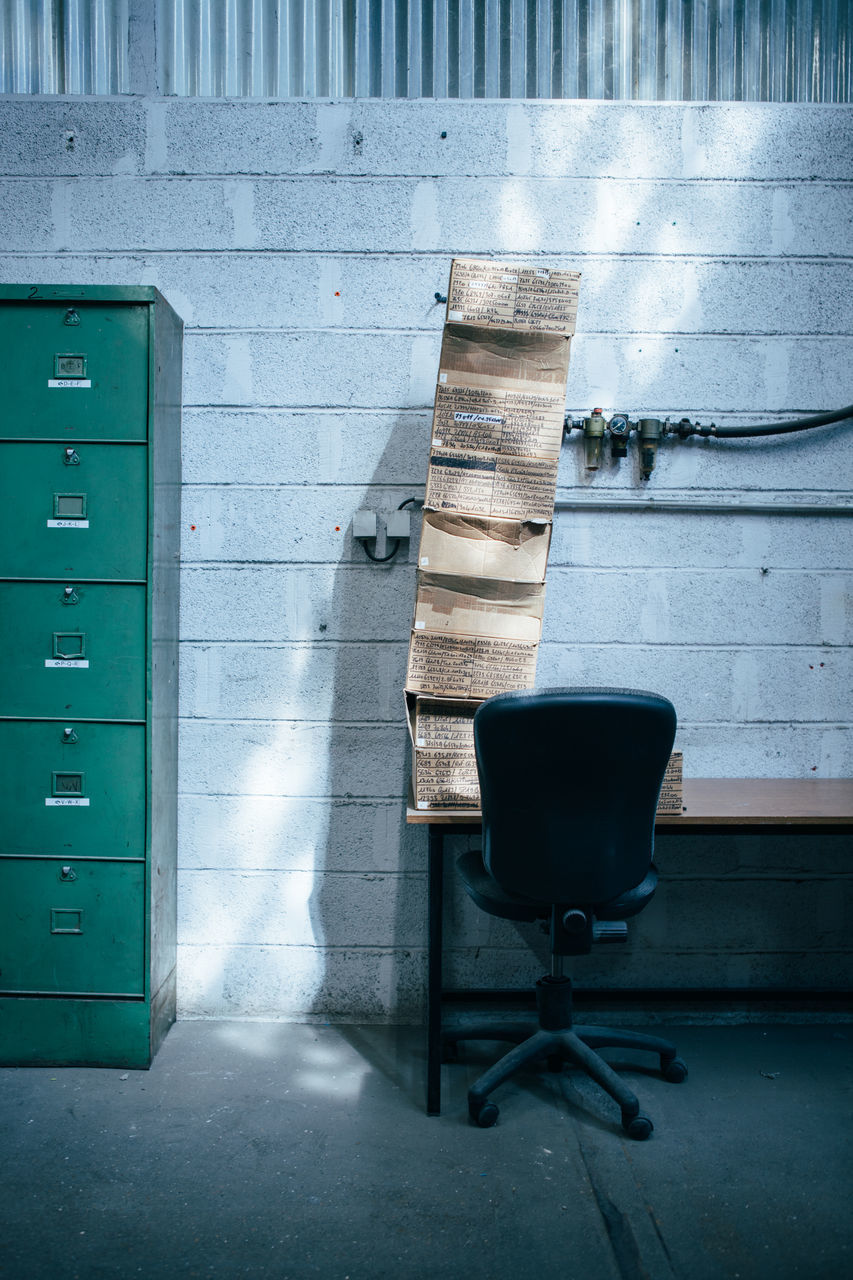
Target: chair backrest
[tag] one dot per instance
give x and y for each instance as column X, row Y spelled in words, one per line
column 569, row 784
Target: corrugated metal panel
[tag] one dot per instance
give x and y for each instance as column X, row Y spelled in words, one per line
column 64, row 46
column 728, row 50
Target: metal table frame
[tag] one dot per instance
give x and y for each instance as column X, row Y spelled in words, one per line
column 710, row 804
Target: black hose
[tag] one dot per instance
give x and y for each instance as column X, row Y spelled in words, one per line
column 780, row 428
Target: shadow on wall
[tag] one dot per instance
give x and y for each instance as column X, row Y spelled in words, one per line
column 368, row 902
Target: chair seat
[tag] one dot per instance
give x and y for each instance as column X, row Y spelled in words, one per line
column 490, row 897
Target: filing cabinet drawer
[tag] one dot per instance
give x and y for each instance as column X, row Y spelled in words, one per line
column 73, row 649
column 77, row 509
column 71, row 926
column 70, row 788
column 74, row 372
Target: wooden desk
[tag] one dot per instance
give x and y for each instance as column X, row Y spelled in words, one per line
column 724, row 802
column 802, row 804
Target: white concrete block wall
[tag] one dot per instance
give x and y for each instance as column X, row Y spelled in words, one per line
column 303, row 244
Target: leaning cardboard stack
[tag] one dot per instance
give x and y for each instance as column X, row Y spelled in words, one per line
column 488, row 511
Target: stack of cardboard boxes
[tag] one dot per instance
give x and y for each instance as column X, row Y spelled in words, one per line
column 488, row 510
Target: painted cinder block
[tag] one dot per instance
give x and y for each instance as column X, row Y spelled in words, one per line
column 661, row 292
column 307, row 447
column 767, row 751
column 146, row 213
column 293, row 757
column 300, row 983
column 310, row 369
column 74, row 135
column 690, row 606
column 298, row 833
column 298, row 524
column 644, row 539
column 780, row 856
column 320, row 602
column 789, row 686
column 193, row 136
column 293, row 682
column 564, row 215
column 723, row 141
column 621, row 969
column 302, row 908
column 343, row 369
column 26, row 214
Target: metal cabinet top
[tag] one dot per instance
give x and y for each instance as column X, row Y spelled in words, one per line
column 82, row 293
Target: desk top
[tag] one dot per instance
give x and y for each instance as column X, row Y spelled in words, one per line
column 726, row 802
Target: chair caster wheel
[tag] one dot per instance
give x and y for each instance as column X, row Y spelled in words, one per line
column 638, row 1127
column 674, row 1071
column 484, row 1114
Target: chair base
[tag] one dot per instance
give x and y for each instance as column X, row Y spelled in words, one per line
column 558, row 1041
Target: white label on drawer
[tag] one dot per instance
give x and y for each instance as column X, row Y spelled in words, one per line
column 66, row 800
column 69, row 382
column 68, row 524
column 66, row 662
column 420, row 626
column 424, row 561
column 456, row 315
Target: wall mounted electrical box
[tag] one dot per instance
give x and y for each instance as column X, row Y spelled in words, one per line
column 90, row 457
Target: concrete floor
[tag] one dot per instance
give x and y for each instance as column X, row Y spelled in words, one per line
column 269, row 1149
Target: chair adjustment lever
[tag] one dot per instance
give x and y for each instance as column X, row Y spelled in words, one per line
column 609, row 931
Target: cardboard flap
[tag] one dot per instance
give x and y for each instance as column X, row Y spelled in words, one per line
column 487, row 358
column 476, row 546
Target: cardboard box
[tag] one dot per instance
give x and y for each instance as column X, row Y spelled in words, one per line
column 479, row 607
column 469, row 667
column 501, row 392
column 489, row 485
column 474, row 637
column 496, row 440
column 444, row 769
column 509, row 296
column 504, row 420
column 672, row 792
column 476, row 546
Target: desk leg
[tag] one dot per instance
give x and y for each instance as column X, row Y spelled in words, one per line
column 434, row 982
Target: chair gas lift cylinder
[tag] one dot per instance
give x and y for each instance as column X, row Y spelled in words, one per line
column 90, row 456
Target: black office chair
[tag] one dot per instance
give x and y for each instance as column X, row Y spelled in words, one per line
column 569, row 782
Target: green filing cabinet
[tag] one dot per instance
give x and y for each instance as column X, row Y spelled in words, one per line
column 90, row 458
